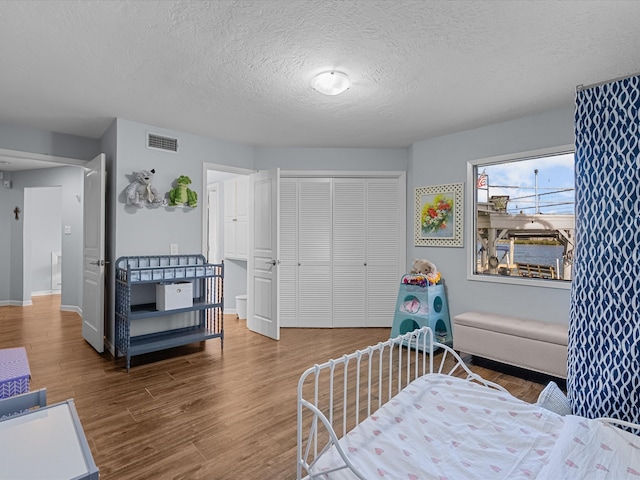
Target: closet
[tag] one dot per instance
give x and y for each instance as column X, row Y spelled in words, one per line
column 236, row 217
column 342, row 249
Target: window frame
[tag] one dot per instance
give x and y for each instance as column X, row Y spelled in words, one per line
column 471, row 217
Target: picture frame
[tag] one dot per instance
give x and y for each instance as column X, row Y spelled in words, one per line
column 439, row 215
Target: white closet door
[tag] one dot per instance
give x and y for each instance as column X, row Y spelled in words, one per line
column 242, row 198
column 242, row 216
column 229, row 199
column 314, row 252
column 384, row 221
column 349, row 252
column 289, row 252
column 229, row 239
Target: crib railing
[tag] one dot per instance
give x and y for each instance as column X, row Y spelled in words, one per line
column 337, row 395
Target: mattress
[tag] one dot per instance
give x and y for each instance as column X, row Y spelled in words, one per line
column 443, row 427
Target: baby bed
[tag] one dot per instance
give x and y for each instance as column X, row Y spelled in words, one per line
column 393, row 411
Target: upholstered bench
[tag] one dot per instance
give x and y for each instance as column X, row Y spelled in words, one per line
column 530, row 344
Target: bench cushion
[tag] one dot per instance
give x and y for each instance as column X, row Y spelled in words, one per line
column 533, row 329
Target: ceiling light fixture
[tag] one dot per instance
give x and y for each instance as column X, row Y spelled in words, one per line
column 331, row 82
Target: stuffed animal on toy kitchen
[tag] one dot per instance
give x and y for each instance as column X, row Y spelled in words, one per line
column 141, row 192
column 182, row 193
column 426, row 268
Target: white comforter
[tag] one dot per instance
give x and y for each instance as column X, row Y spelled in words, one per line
column 442, row 427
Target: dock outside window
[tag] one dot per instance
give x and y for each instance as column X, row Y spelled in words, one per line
column 523, row 219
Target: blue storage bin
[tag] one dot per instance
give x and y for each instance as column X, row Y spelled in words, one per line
column 420, row 306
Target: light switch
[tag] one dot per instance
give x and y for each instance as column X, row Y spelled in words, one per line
column 174, row 249
column 67, row 229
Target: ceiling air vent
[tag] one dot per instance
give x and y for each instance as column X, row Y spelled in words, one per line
column 162, row 143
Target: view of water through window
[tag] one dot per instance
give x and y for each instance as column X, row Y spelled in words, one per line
column 525, row 219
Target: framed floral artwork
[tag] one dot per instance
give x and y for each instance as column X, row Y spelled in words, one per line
column 439, row 215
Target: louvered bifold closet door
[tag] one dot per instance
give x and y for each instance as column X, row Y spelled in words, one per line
column 288, row 269
column 383, row 250
column 314, row 252
column 349, row 252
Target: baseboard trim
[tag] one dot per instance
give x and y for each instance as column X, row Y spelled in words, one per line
column 45, row 293
column 71, row 308
column 109, row 347
column 18, row 303
column 230, row 311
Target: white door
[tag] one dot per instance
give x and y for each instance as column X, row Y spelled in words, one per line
column 213, row 207
column 288, row 243
column 263, row 258
column 385, row 254
column 93, row 253
column 315, row 281
column 349, row 252
column 242, row 215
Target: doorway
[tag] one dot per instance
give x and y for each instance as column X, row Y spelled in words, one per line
column 213, row 241
column 28, row 175
column 42, row 241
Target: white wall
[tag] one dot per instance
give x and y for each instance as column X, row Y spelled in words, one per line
column 43, row 222
column 444, row 160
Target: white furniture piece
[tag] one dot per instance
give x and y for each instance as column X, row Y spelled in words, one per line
column 142, row 328
column 392, row 411
column 46, row 443
column 236, row 217
column 342, row 251
column 534, row 345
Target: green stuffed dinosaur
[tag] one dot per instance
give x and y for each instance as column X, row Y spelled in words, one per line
column 182, row 193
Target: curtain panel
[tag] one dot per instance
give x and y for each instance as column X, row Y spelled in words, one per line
column 604, row 324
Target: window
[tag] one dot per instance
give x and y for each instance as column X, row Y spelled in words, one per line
column 522, row 223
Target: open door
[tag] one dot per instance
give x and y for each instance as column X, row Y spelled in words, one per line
column 93, row 253
column 263, row 258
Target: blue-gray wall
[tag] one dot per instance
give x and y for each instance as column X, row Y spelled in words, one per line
column 372, row 159
column 33, row 140
column 151, row 231
column 43, row 142
column 70, row 179
column 444, row 160
column 133, row 231
column 109, row 146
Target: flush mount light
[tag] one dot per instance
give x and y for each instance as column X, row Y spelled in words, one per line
column 331, row 83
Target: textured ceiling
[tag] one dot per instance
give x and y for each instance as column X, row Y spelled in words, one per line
column 240, row 70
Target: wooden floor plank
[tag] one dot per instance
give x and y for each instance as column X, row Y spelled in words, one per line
column 193, row 412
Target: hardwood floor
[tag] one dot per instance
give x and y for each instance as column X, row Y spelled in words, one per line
column 193, row 412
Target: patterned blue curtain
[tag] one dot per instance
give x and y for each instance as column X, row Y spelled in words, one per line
column 604, row 326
